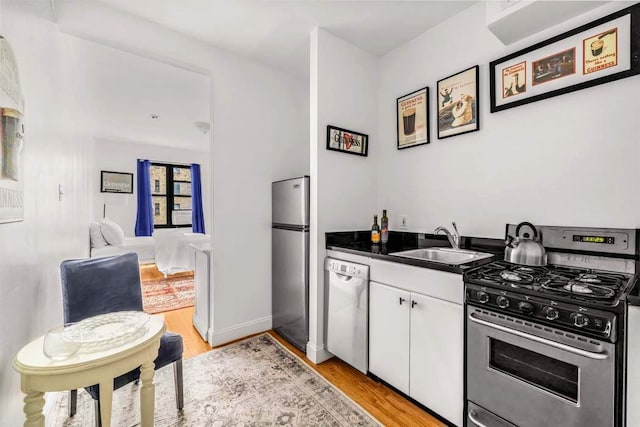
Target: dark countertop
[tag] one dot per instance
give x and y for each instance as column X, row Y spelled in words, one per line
column 359, row 243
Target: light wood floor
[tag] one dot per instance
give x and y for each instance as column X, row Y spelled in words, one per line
column 384, row 404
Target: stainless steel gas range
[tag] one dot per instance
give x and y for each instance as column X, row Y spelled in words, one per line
column 545, row 345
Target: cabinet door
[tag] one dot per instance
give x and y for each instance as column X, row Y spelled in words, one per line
column 436, row 376
column 389, row 335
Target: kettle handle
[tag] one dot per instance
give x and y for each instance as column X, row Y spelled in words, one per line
column 533, row 227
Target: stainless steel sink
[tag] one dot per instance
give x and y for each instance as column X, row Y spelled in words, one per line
column 443, row 255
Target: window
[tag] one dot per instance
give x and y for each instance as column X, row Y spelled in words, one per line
column 171, row 194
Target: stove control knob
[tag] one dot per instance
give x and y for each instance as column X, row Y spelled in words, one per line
column 580, row 320
column 483, row 297
column 526, row 307
column 551, row 313
column 503, row 302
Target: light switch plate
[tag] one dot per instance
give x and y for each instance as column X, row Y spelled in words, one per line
column 404, row 222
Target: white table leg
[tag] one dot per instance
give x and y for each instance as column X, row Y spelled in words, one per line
column 147, row 394
column 106, row 396
column 33, row 403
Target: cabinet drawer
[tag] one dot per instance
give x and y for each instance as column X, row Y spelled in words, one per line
column 345, row 256
column 438, row 284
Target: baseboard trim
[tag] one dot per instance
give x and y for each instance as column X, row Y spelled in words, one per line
column 242, row 330
column 317, row 354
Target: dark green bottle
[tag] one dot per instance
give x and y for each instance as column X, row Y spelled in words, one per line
column 384, row 225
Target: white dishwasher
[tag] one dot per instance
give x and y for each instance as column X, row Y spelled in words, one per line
column 348, row 301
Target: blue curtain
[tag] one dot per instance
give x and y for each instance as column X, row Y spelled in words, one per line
column 144, row 218
column 197, row 215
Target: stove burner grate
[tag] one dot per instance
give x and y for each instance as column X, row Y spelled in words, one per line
column 582, row 289
column 575, row 283
column 516, row 278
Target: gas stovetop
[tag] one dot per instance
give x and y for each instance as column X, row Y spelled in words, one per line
column 560, row 283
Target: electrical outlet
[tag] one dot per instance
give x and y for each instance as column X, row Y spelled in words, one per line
column 404, row 222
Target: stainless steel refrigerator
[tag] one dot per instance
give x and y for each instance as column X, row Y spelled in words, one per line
column 290, row 259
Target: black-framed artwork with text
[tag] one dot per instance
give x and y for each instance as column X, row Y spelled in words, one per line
column 347, row 141
column 116, row 182
column 458, row 103
column 599, row 52
column 412, row 119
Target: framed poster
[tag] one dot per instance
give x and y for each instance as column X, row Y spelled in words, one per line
column 412, row 119
column 458, row 103
column 601, row 51
column 116, row 182
column 11, row 166
column 347, row 141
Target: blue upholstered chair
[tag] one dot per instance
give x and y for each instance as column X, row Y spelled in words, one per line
column 102, row 285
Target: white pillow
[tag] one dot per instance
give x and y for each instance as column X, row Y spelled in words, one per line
column 112, row 232
column 96, row 237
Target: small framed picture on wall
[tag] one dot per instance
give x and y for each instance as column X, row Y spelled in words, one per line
column 116, row 182
column 347, row 141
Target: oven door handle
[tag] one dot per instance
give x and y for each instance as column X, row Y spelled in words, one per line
column 578, row 351
column 474, row 420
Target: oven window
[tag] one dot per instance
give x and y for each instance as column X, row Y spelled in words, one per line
column 550, row 374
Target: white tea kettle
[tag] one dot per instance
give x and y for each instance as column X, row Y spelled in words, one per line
column 525, row 250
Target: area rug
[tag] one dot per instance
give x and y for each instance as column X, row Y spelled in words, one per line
column 170, row 293
column 254, row 382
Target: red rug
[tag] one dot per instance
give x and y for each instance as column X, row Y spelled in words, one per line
column 168, row 294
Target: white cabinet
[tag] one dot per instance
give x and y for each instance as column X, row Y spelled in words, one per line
column 389, row 335
column 416, row 341
column 436, row 356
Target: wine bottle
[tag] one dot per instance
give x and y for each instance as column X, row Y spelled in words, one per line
column 384, row 225
column 375, row 231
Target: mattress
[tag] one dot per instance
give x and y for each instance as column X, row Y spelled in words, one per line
column 144, row 246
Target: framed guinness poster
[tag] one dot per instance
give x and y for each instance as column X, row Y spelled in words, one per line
column 599, row 52
column 458, row 103
column 347, row 141
column 412, row 119
column 116, row 182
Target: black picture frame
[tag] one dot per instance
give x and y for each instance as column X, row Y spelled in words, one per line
column 583, row 58
column 122, row 182
column 457, row 117
column 418, row 101
column 347, row 141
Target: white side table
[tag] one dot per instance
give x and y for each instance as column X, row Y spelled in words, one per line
column 39, row 374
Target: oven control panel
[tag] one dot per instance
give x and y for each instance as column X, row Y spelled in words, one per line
column 605, row 240
column 582, row 320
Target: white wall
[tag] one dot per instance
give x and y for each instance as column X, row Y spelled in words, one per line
column 121, row 156
column 58, row 150
column 260, row 134
column 568, row 160
column 344, row 87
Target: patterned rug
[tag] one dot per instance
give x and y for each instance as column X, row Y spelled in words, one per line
column 167, row 294
column 254, row 382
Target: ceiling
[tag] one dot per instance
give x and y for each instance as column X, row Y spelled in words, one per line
column 123, row 91
column 276, row 32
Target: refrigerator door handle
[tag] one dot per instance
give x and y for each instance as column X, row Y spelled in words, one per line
column 304, row 228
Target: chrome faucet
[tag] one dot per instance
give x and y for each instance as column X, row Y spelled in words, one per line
column 454, row 238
